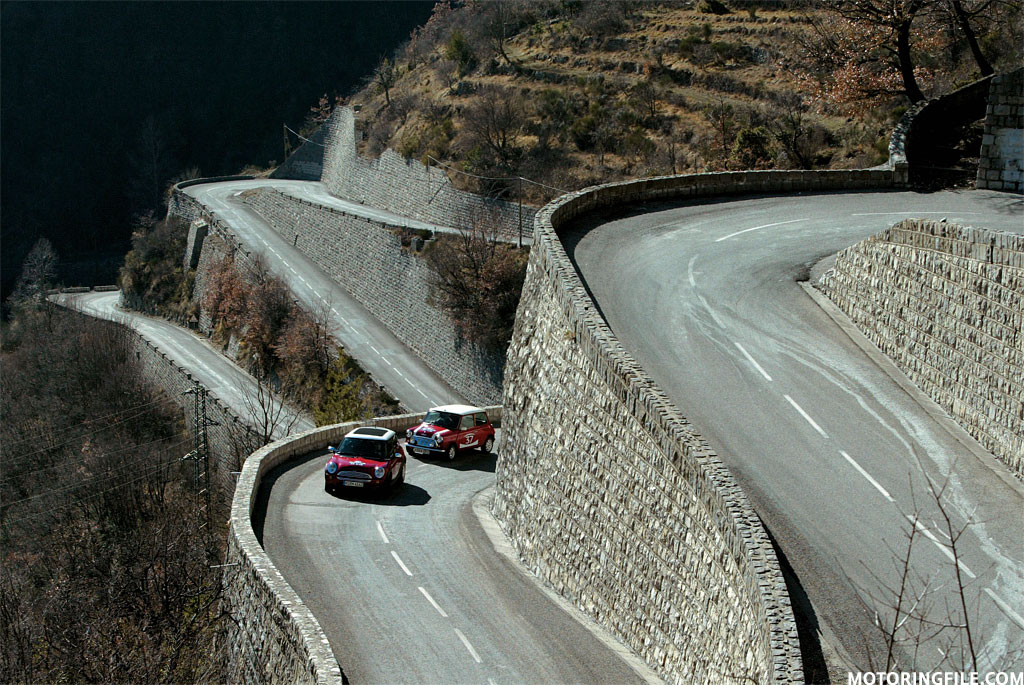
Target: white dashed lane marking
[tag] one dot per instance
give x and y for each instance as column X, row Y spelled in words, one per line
column 814, row 424
column 885, row 493
column 472, row 652
column 752, row 361
column 943, row 548
column 1005, row 608
column 399, row 560
column 757, row 228
column 432, row 602
column 380, row 529
column 689, row 272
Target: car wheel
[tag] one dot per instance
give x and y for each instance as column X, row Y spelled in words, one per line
column 451, row 452
column 488, row 445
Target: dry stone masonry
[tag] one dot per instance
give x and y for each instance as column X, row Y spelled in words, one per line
column 608, row 493
column 405, row 186
column 1001, row 165
column 367, row 258
column 946, row 303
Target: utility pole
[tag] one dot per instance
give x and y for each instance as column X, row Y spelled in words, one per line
column 200, row 455
column 520, row 179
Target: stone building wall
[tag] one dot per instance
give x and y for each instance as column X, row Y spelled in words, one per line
column 946, row 304
column 1001, row 165
column 606, row 491
column 405, row 186
column 367, row 258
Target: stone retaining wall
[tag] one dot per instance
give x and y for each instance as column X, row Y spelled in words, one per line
column 1001, row 165
column 274, row 637
column 307, row 162
column 367, row 258
column 607, row 492
column 946, row 304
column 405, row 186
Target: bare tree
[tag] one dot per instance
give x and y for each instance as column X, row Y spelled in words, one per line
column 270, row 417
column 385, row 74
column 495, row 122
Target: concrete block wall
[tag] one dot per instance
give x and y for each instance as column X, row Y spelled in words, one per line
column 274, row 637
column 405, row 186
column 1001, row 165
column 367, row 258
column 946, row 304
column 608, row 493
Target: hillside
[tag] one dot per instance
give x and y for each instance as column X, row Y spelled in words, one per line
column 571, row 94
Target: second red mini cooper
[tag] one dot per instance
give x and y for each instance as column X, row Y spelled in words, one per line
column 447, row 430
column 366, row 458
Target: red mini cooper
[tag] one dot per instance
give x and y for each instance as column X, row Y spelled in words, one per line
column 448, row 429
column 366, row 458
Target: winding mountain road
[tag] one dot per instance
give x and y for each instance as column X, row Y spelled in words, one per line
column 829, row 448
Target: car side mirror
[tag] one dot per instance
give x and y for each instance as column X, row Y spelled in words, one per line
column 332, row 449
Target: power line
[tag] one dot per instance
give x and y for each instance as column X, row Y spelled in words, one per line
column 495, row 178
column 99, row 493
column 89, row 479
column 41, row 434
column 302, row 137
column 105, row 453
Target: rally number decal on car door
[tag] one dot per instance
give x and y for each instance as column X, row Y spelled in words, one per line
column 469, row 439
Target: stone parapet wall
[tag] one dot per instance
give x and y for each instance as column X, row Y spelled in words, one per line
column 367, row 258
column 405, row 186
column 915, row 133
column 274, row 637
column 1001, row 164
column 608, row 493
column 946, row 304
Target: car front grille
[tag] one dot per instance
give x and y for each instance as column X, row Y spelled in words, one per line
column 353, row 475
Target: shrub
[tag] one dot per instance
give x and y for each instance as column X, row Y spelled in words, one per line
column 153, row 278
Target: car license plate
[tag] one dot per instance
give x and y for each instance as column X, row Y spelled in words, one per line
column 352, row 484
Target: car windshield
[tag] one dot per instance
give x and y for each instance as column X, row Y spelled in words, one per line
column 442, row 419
column 371, row 449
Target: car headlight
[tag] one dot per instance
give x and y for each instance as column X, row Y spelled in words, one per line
column 408, row 434
column 437, row 440
column 331, row 467
column 379, row 471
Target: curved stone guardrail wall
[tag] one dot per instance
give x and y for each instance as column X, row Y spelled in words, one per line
column 367, row 258
column 946, row 304
column 274, row 637
column 605, row 489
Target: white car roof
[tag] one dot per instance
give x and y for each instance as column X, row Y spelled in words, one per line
column 462, row 409
column 371, row 433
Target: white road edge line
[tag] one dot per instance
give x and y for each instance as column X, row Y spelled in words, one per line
column 751, row 360
column 757, row 228
column 945, row 550
column 380, row 529
column 404, row 567
column 806, row 416
column 1010, row 613
column 885, row 493
column 472, row 652
column 432, row 602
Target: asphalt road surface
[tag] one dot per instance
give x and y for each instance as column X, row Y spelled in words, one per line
column 391, row 363
column 830, row 449
column 409, row 587
column 223, row 378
